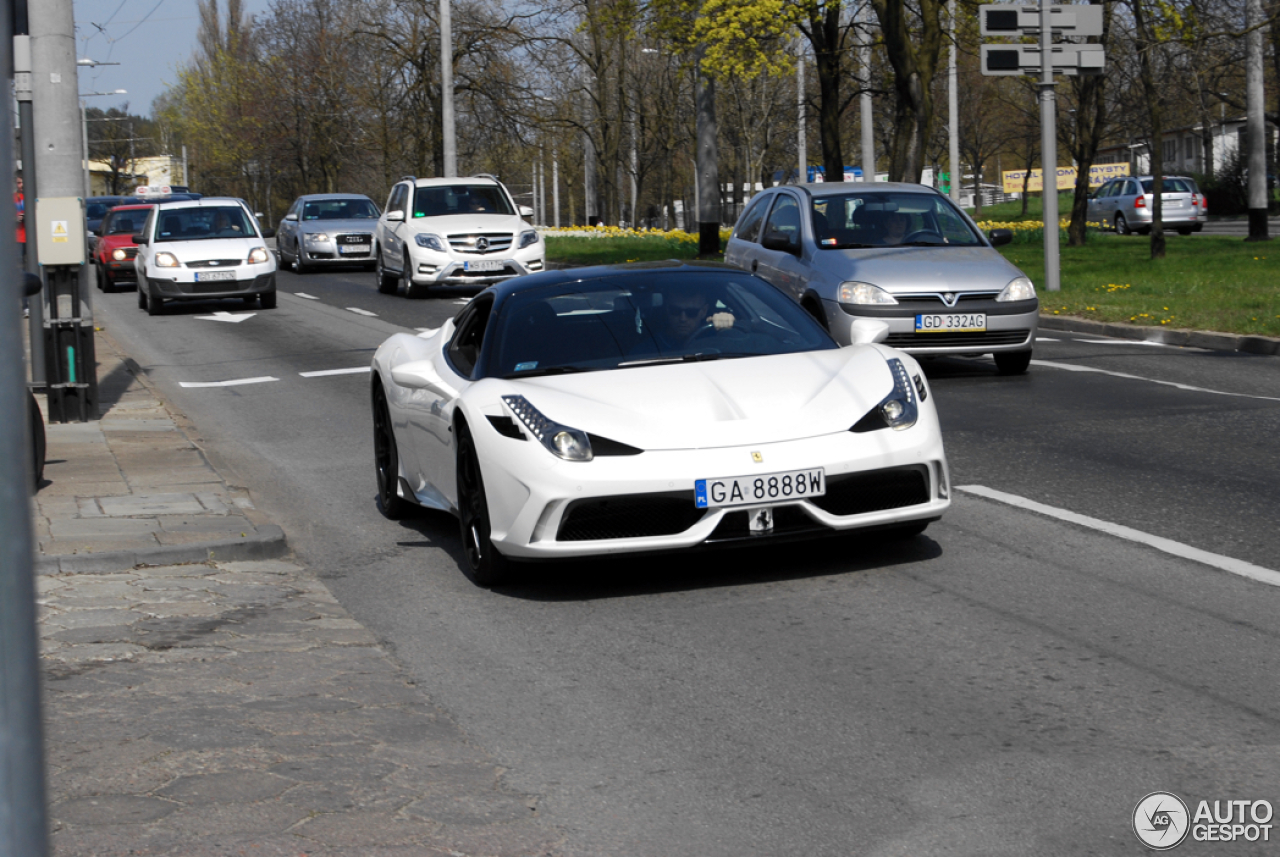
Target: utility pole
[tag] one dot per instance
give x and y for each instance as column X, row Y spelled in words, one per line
column 1255, row 123
column 447, row 128
column 953, row 110
column 58, row 229
column 555, row 187
column 1048, row 152
column 23, row 824
column 868, row 136
column 22, row 91
column 802, row 149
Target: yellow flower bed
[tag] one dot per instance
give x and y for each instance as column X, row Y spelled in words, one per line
column 629, row 232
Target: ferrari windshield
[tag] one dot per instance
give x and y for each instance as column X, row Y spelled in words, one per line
column 646, row 319
column 888, row 219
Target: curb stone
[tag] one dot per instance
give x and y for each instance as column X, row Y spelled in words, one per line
column 1213, row 341
column 267, row 542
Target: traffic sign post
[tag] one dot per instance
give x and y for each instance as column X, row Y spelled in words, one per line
column 1047, row 59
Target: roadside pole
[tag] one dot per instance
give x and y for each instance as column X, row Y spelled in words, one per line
column 448, row 130
column 30, row 191
column 1049, row 151
column 23, row 824
column 1046, row 59
column 57, row 228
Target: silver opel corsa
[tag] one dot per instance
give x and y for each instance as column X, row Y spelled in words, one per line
column 899, row 253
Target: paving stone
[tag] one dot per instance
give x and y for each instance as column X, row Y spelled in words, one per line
column 95, row 652
column 309, row 704
column 335, row 768
column 347, row 830
column 109, row 634
column 190, row 570
column 98, row 544
column 211, row 735
column 152, row 504
column 73, row 433
column 94, row 618
column 226, row 787
column 99, row 588
column 179, row 608
column 472, row 809
column 116, row 424
column 115, row 809
column 341, row 797
column 266, row 566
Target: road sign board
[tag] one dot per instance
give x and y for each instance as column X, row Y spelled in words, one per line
column 1070, row 60
column 1024, row 20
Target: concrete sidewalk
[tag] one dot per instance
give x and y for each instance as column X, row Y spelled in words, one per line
column 203, row 696
column 134, row 487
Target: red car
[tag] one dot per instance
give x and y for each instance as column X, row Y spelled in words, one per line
column 113, row 254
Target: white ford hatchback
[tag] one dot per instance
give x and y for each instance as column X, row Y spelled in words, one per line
column 195, row 250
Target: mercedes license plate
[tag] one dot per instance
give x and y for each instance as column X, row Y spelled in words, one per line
column 362, row 249
column 482, row 266
column 955, row 322
column 756, row 490
column 211, row 276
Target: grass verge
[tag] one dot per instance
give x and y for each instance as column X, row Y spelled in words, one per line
column 1205, row 282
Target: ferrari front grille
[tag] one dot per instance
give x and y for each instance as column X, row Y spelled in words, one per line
column 629, row 516
column 875, row 491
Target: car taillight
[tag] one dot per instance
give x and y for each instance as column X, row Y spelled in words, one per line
column 1140, row 202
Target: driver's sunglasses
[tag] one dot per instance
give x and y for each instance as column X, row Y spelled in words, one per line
column 686, row 311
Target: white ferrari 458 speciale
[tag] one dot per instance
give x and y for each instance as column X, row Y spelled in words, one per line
column 650, row 407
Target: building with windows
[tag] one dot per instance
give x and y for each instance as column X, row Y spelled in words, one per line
column 1184, row 149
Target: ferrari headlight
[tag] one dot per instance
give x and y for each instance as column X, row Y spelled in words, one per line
column 864, row 294
column 119, row 254
column 431, row 242
column 258, row 255
column 167, row 260
column 568, row 443
column 316, row 238
column 1019, row 289
column 528, row 238
column 900, row 409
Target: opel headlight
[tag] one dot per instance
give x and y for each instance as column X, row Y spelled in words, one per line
column 167, row 260
column 119, row 254
column 317, row 238
column 1019, row 289
column 900, row 409
column 431, row 242
column 528, row 238
column 568, row 443
column 258, row 255
column 864, row 294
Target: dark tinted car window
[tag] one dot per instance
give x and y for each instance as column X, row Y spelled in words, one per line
column 339, row 209
column 1168, row 186
column 636, row 320
column 460, row 199
column 196, row 224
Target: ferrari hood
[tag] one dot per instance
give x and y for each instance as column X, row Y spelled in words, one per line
column 718, row 403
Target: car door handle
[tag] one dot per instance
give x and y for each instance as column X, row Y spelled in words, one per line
column 755, row 263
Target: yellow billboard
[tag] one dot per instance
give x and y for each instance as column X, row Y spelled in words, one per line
column 1098, row 174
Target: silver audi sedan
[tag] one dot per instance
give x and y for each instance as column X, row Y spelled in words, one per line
column 326, row 229
column 899, row 253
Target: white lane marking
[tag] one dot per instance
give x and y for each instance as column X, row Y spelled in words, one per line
column 226, row 316
column 1225, row 563
column 232, row 383
column 353, row 371
column 359, row 311
column 307, row 296
column 1070, row 367
column 1125, row 342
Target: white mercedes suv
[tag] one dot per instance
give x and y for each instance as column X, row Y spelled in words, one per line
column 453, row 231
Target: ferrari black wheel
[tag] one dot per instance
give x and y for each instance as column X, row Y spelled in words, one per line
column 488, row 567
column 386, row 459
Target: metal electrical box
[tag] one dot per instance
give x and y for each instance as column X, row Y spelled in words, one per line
column 60, row 231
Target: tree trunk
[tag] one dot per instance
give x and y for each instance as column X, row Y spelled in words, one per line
column 1146, row 46
column 913, row 51
column 708, row 163
column 824, row 35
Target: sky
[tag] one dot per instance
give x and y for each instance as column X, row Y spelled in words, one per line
column 149, row 38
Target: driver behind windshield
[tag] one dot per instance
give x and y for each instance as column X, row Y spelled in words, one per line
column 685, row 314
column 895, row 227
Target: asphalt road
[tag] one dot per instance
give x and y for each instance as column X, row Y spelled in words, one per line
column 1009, row 683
